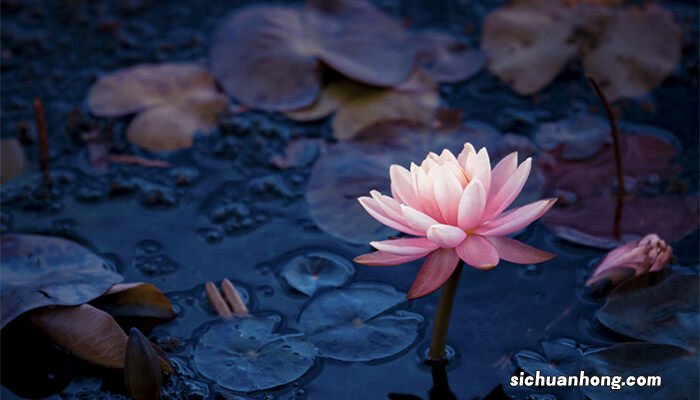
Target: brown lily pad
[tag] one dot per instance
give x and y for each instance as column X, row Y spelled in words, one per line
column 174, row 101
column 12, row 158
column 270, row 57
column 40, row 271
column 586, row 212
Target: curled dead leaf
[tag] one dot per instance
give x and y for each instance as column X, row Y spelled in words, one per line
column 142, row 373
column 135, row 300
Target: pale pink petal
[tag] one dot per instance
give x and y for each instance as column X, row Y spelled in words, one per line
column 436, row 270
column 471, row 205
column 426, row 198
column 516, row 219
column 446, row 157
column 458, row 173
column 402, row 185
column 382, row 259
column 446, row 236
column 448, row 191
column 509, row 191
column 481, row 169
column 405, row 246
column 518, row 252
column 392, row 210
column 376, row 211
column 466, row 152
column 501, row 172
column 416, row 219
column 478, row 252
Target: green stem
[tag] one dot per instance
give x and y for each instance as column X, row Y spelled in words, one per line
column 442, row 315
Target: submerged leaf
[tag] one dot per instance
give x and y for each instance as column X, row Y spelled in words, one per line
column 247, row 354
column 358, row 323
column 87, row 332
column 445, row 59
column 142, row 375
column 676, row 368
column 12, row 158
column 270, row 57
column 39, row 271
column 313, row 271
column 350, row 169
column 580, row 136
column 174, row 101
column 657, row 308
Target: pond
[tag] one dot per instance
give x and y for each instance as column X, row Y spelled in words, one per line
column 285, row 230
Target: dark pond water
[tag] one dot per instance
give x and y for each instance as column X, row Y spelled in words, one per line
column 156, row 225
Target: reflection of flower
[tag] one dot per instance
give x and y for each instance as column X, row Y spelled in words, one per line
column 648, row 254
column 456, row 207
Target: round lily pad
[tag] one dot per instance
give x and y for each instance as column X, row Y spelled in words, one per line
column 247, row 355
column 39, row 271
column 309, row 272
column 359, row 323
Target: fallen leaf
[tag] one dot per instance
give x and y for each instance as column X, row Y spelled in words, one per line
column 40, row 271
column 359, row 323
column 639, row 48
column 247, row 354
column 270, row 57
column 445, row 59
column 586, row 212
column 656, row 307
column 349, row 169
column 135, row 300
column 174, row 101
column 87, row 332
column 12, row 158
column 142, row 375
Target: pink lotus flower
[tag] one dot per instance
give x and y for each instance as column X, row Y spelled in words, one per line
column 648, row 254
column 456, row 207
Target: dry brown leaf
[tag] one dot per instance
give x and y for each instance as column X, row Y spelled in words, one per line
column 12, row 159
column 142, row 374
column 87, row 332
column 270, row 57
column 333, row 96
column 174, row 101
column 135, row 300
column 639, row 48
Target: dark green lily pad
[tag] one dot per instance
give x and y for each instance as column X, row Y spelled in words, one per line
column 677, row 368
column 247, row 355
column 657, row 308
column 39, row 271
column 359, row 323
column 309, row 272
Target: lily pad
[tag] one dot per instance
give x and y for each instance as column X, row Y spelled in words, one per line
column 657, row 308
column 445, row 59
column 350, row 169
column 313, row 271
column 359, row 323
column 270, row 57
column 580, row 136
column 247, row 355
column 562, row 357
column 677, row 368
column 39, row 271
column 174, row 101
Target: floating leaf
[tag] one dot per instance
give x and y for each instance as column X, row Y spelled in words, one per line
column 586, row 212
column 656, row 308
column 298, row 153
column 39, row 271
column 12, row 158
column 270, row 57
column 313, row 271
column 142, row 375
column 627, row 49
column 135, row 300
column 358, row 323
column 562, row 357
column 247, row 355
column 174, row 101
column 677, row 369
column 350, row 169
column 639, row 48
column 445, row 59
column 87, row 332
column 580, row 136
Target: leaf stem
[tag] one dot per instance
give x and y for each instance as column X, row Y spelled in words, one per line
column 442, row 315
column 617, row 230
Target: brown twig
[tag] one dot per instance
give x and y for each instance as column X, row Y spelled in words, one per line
column 617, row 230
column 40, row 117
